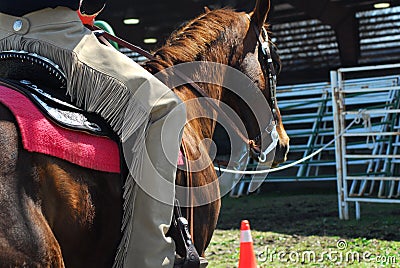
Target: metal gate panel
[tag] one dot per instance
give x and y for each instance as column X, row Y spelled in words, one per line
column 366, row 118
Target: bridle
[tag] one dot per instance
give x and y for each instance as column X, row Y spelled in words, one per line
column 269, row 72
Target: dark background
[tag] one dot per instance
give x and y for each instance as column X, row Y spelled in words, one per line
column 313, row 36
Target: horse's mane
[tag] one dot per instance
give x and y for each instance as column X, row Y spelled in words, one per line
column 195, row 39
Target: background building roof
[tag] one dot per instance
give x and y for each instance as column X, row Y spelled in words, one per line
column 312, row 36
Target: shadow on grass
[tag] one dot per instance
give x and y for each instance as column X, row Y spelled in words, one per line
column 309, row 211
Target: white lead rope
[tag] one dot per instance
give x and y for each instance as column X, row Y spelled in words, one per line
column 255, row 172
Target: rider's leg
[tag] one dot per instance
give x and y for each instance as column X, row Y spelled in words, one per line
column 104, row 81
column 154, row 191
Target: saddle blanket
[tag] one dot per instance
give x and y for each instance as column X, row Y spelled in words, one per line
column 43, row 136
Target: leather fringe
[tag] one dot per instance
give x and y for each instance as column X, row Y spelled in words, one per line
column 95, row 92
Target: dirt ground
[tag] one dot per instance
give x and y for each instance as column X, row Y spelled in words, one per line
column 301, row 219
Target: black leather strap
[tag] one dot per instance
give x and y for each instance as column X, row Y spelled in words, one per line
column 179, row 231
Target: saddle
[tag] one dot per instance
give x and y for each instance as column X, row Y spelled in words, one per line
column 45, row 84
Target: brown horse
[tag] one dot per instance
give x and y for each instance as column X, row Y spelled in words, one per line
column 54, row 213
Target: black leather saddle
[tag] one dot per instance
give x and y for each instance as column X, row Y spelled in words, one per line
column 43, row 81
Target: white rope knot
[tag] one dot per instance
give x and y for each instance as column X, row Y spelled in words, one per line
column 368, row 128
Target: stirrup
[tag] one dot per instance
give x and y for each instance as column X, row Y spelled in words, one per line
column 186, row 254
column 180, row 262
column 192, row 259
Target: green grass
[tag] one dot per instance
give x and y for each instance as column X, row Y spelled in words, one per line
column 305, row 230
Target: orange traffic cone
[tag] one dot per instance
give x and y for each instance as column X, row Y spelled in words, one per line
column 247, row 259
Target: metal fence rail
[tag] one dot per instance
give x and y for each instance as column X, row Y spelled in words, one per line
column 368, row 158
column 371, row 148
column 307, row 115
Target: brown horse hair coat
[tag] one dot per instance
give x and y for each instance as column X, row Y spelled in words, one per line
column 221, row 36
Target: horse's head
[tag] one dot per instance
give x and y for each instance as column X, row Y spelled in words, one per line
column 234, row 39
column 254, row 58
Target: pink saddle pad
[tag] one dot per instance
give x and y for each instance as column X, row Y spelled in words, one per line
column 43, row 136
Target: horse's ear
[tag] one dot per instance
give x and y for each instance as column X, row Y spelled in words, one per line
column 207, row 9
column 260, row 12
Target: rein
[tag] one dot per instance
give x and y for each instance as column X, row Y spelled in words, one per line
column 270, row 129
column 101, row 33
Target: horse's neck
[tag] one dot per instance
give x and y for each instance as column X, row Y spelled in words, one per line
column 208, row 70
column 220, row 52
